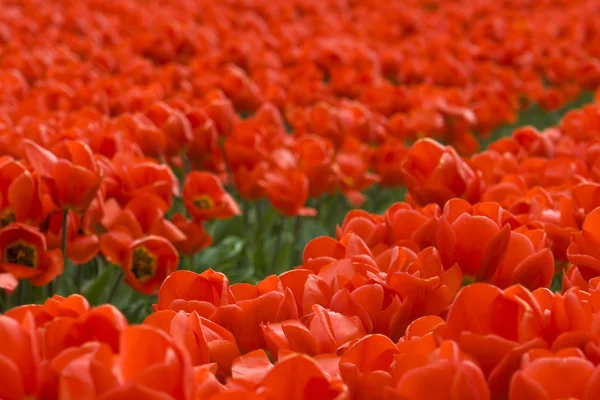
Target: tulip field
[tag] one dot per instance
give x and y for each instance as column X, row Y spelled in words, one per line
column 299, row 199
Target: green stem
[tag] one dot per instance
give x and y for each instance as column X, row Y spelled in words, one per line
column 319, row 205
column 135, row 311
column 377, row 194
column 245, row 207
column 278, row 224
column 8, row 301
column 187, row 262
column 330, row 216
column 96, row 266
column 296, row 251
column 245, row 216
column 79, row 278
column 187, row 167
column 2, row 301
column 115, row 286
column 21, row 294
column 278, row 231
column 401, row 194
column 63, row 239
column 259, row 218
column 63, row 247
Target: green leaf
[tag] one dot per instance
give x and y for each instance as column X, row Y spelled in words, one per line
column 138, row 310
column 390, row 196
column 96, row 288
column 310, row 229
column 123, row 296
column 37, row 295
column 178, row 206
column 556, row 285
column 246, row 273
column 65, row 285
column 230, row 248
column 221, row 229
column 221, row 257
column 278, row 248
column 258, row 259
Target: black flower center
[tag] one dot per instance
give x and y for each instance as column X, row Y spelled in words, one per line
column 144, row 264
column 21, row 254
column 7, row 217
column 203, row 202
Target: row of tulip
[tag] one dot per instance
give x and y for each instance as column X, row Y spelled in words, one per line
column 110, row 134
column 455, row 292
column 128, row 154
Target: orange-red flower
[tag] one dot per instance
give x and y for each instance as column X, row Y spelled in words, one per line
column 143, row 176
column 315, row 160
column 204, row 340
column 435, row 174
column 189, row 291
column 371, row 229
column 71, row 173
column 409, row 227
column 248, row 181
column 66, row 322
column 387, row 162
column 527, row 261
column 365, row 367
column 326, row 121
column 97, row 115
column 140, row 217
column 92, row 363
column 205, row 198
column 83, row 243
column 19, row 359
column 424, row 287
column 220, row 109
column 354, row 176
column 454, row 376
column 24, row 254
column 584, row 251
column 543, row 378
column 476, row 243
column 196, row 237
column 162, row 369
column 146, row 262
column 174, row 125
column 326, row 332
column 297, row 371
column 150, row 139
column 20, row 199
column 287, row 190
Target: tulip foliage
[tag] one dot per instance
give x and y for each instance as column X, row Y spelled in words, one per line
column 303, row 199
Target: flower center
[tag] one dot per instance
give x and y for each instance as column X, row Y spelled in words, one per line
column 21, row 254
column 7, row 217
column 203, row 202
column 144, row 264
column 468, row 280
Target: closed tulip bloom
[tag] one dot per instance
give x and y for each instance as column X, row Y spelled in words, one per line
column 436, row 174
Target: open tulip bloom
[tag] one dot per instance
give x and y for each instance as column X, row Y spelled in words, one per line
column 299, row 199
